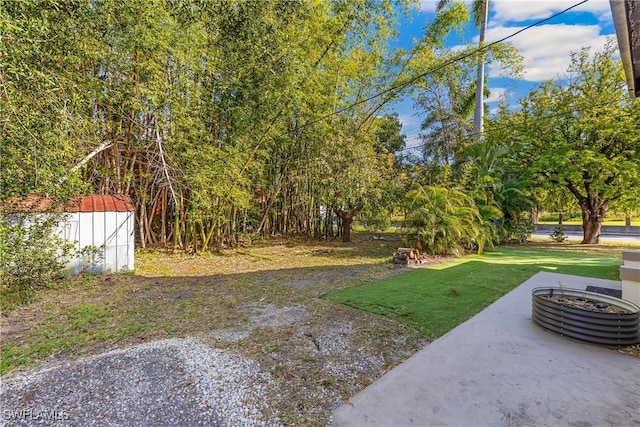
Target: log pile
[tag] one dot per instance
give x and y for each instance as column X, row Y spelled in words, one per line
column 408, row 256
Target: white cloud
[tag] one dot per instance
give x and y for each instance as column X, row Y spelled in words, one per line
column 547, row 48
column 413, row 141
column 497, row 93
column 521, row 10
column 428, row 5
column 408, row 120
column 513, row 11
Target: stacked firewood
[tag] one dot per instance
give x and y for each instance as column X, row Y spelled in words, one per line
column 408, row 256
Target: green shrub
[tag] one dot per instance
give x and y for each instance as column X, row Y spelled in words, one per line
column 558, row 235
column 376, row 221
column 443, row 221
column 32, row 256
column 520, row 232
column 92, row 258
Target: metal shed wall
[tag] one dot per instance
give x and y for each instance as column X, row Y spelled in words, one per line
column 101, row 228
column 111, row 234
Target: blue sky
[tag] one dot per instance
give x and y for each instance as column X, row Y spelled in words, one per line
column 546, row 48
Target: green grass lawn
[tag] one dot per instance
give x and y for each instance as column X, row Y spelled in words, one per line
column 438, row 298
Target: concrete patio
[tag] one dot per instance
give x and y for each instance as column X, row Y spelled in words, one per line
column 500, row 369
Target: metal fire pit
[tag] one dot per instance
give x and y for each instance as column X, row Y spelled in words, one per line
column 584, row 325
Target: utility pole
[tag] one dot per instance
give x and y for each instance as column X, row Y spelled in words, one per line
column 478, row 115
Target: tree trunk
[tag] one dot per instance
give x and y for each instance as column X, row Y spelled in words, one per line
column 163, row 218
column 593, row 209
column 560, row 218
column 591, row 228
column 478, row 115
column 141, row 231
column 592, row 215
column 346, row 218
column 346, row 229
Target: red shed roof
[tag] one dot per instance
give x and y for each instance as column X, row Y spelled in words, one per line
column 93, row 203
column 102, row 203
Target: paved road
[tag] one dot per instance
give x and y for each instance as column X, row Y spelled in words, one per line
column 617, row 238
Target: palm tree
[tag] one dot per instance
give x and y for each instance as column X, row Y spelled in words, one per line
column 448, row 101
column 443, row 220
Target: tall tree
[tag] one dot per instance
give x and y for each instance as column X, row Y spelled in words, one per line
column 217, row 118
column 447, row 101
column 446, row 94
column 481, row 14
column 43, row 119
column 582, row 136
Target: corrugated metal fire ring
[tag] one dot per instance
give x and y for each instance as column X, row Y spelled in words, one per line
column 584, row 325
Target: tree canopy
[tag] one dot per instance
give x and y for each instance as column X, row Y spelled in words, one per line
column 581, row 137
column 229, row 119
column 221, row 119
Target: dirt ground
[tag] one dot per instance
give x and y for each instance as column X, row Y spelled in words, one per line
column 262, row 303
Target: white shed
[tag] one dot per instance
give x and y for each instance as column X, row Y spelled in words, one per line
column 101, row 228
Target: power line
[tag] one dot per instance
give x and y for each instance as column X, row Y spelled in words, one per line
column 405, row 84
column 459, row 58
column 400, row 86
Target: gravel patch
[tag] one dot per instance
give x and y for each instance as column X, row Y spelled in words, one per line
column 340, row 357
column 274, row 317
column 162, row 383
column 262, row 315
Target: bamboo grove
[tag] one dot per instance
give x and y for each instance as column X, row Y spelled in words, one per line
column 220, row 119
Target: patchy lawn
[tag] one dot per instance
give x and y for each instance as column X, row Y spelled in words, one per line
column 262, row 303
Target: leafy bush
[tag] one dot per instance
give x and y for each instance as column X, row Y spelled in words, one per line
column 92, row 258
column 558, row 235
column 443, row 221
column 32, row 256
column 520, row 232
column 378, row 220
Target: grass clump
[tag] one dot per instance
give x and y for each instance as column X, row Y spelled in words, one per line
column 441, row 297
